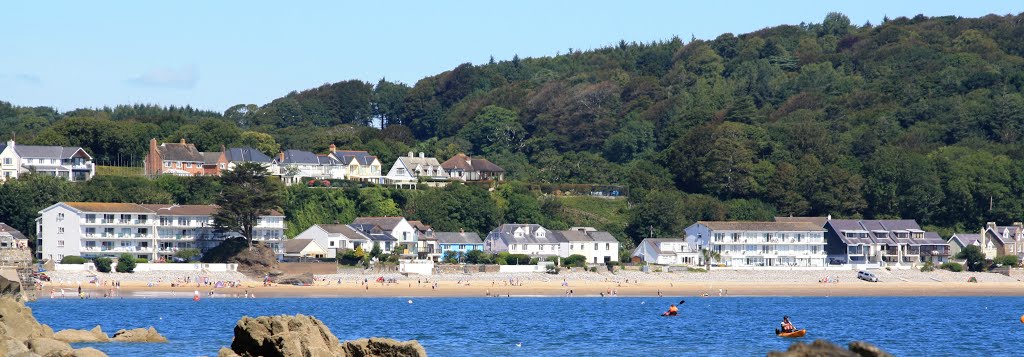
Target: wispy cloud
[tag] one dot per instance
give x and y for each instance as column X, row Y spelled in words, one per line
column 184, row 77
column 25, row 78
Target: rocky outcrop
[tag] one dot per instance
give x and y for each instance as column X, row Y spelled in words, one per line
column 22, row 335
column 74, row 336
column 825, row 348
column 382, row 347
column 10, row 285
column 138, row 335
column 301, row 335
column 298, row 279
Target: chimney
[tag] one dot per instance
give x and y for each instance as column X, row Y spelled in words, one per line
column 152, row 145
column 421, row 154
column 462, row 230
column 10, row 142
column 182, row 141
column 991, row 225
column 829, row 217
column 333, row 148
column 280, row 156
column 410, row 154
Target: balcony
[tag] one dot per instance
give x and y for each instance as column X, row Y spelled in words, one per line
column 935, row 253
column 118, row 236
column 115, row 249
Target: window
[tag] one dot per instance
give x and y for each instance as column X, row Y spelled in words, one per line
column 462, row 247
column 332, row 243
column 143, row 218
column 143, row 232
column 126, row 218
column 595, row 246
column 60, row 244
column 60, row 216
column 167, row 164
column 607, row 246
column 90, row 218
column 177, row 164
column 90, row 231
column 60, row 230
column 222, row 166
column 7, row 161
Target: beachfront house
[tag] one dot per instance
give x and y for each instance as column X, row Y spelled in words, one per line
column 296, row 250
column 668, row 251
column 464, row 168
column 599, row 247
column 897, row 243
column 458, row 242
column 358, row 165
column 529, row 239
column 11, row 238
column 397, row 227
column 959, row 241
column 407, row 170
column 993, row 240
column 295, row 165
column 71, row 163
column 337, row 238
column 150, row 231
column 760, row 244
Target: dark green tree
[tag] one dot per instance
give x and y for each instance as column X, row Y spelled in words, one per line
column 247, row 193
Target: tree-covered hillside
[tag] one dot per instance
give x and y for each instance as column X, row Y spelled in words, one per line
column 919, row 118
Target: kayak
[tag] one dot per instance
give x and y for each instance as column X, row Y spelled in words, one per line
column 797, row 333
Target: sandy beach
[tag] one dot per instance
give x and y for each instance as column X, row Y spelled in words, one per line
column 714, row 284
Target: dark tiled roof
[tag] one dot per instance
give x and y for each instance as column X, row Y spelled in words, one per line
column 179, row 152
column 211, row 158
column 484, row 165
column 247, row 154
column 506, row 232
column 586, row 234
column 17, row 234
column 385, row 223
column 761, row 226
column 965, row 239
column 361, row 157
column 300, row 157
column 457, row 238
column 50, row 152
column 882, row 232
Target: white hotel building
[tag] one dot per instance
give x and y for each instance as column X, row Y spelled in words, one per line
column 153, row 232
column 761, row 244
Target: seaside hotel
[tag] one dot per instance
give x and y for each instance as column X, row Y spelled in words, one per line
column 151, row 231
column 761, row 244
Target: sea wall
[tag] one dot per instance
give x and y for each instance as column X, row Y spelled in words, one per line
column 421, row 267
column 141, row 267
column 539, row 268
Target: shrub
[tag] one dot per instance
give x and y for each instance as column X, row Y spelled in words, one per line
column 125, row 263
column 102, row 264
column 141, row 260
column 553, row 269
column 1006, row 260
column 534, row 261
column 696, row 270
column 479, row 257
column 593, row 269
column 73, row 259
column 188, row 254
column 952, row 266
column 574, row 260
column 352, row 256
column 928, row 266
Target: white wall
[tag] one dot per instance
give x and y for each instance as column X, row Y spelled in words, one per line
column 542, row 267
column 323, row 238
column 72, row 236
column 74, row 267
column 421, row 267
column 196, row 267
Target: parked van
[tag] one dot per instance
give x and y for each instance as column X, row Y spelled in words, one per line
column 867, row 276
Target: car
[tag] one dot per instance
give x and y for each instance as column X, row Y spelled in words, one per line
column 867, row 276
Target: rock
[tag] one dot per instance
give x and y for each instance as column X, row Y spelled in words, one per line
column 301, row 335
column 48, row 347
column 73, row 336
column 226, row 352
column 301, row 279
column 88, row 352
column 138, row 335
column 17, row 322
column 284, row 335
column 10, row 284
column 383, row 347
column 865, row 349
column 825, row 348
column 12, row 347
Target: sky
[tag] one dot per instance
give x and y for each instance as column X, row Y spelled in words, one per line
column 215, row 54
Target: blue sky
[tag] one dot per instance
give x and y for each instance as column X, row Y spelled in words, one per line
column 214, row 54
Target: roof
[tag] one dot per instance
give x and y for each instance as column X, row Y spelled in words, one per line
column 211, row 158
column 385, row 223
column 761, row 226
column 506, row 232
column 306, row 157
column 361, row 157
column 246, row 154
column 296, row 245
column 414, row 161
column 882, row 232
column 182, row 210
column 819, row 221
column 458, row 238
column 179, row 152
column 966, row 239
column 54, row 152
column 466, row 163
column 586, row 234
column 419, row 226
column 108, row 207
column 16, row 233
column 1011, row 231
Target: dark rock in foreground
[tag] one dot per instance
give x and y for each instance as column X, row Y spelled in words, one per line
column 138, row 335
column 301, row 335
column 22, row 335
column 821, row 348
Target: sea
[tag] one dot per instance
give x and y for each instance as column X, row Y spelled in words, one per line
column 572, row 326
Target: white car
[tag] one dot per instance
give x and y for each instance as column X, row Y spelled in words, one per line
column 867, row 276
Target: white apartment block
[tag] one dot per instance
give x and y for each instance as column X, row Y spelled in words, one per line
column 154, row 232
column 761, row 244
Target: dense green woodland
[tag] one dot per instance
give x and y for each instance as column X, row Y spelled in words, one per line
column 918, row 118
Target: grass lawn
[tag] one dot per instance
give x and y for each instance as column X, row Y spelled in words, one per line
column 603, row 213
column 119, row 171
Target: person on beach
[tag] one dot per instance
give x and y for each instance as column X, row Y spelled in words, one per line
column 787, row 326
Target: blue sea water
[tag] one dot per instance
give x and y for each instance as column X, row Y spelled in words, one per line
column 549, row 326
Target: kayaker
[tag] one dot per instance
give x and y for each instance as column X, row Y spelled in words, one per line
column 672, row 310
column 787, row 326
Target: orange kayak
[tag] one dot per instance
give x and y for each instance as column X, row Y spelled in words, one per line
column 797, row 333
